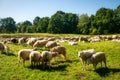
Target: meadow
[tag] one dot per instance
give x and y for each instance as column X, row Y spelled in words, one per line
column 71, row 69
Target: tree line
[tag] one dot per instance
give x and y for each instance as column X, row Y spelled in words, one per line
column 105, row 21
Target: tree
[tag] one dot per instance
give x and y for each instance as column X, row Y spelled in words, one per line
column 83, row 26
column 7, row 25
column 62, row 22
column 55, row 24
column 116, row 19
column 23, row 26
column 103, row 21
column 69, row 22
column 43, row 25
column 36, row 21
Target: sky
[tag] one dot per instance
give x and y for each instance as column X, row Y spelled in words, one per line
column 21, row 10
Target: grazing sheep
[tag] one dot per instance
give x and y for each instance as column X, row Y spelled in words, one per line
column 40, row 43
column 60, row 50
column 46, row 57
column 83, row 55
column 50, row 44
column 14, row 40
column 83, row 39
column 21, row 40
column 24, row 54
column 96, row 58
column 73, row 43
column 7, row 49
column 2, row 48
column 35, row 58
column 31, row 41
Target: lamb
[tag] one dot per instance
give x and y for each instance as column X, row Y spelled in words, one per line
column 35, row 58
column 83, row 55
column 60, row 50
column 50, row 44
column 96, row 58
column 24, row 54
column 46, row 57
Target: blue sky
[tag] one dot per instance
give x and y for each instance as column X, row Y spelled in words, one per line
column 22, row 10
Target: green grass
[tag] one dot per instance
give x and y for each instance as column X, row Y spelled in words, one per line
column 37, row 35
column 63, row 70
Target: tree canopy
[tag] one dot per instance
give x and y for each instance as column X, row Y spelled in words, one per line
column 105, row 21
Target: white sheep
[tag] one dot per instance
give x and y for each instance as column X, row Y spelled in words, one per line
column 46, row 57
column 72, row 42
column 35, row 58
column 50, row 44
column 83, row 55
column 96, row 58
column 40, row 43
column 60, row 50
column 31, row 41
column 7, row 49
column 21, row 40
column 24, row 54
column 4, row 48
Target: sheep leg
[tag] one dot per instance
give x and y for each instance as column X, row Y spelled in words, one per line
column 101, row 63
column 49, row 64
column 23, row 62
column 105, row 63
column 94, row 65
column 83, row 63
column 43, row 64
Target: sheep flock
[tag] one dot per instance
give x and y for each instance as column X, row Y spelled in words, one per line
column 53, row 48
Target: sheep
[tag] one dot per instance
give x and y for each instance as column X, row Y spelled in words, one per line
column 50, row 44
column 21, row 40
column 24, row 54
column 35, row 58
column 96, row 58
column 83, row 55
column 83, row 39
column 73, row 43
column 60, row 50
column 40, row 43
column 4, row 48
column 14, row 40
column 31, row 41
column 46, row 57
column 7, row 49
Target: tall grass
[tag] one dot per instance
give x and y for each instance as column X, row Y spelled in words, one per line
column 63, row 70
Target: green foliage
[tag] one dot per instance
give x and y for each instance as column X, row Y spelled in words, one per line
column 62, row 22
column 43, row 25
column 105, row 21
column 24, row 26
column 7, row 25
column 83, row 26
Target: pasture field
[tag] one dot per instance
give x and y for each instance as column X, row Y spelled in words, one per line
column 71, row 69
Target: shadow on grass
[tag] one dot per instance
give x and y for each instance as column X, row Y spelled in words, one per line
column 57, row 66
column 52, row 67
column 103, row 72
column 67, row 61
column 9, row 54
